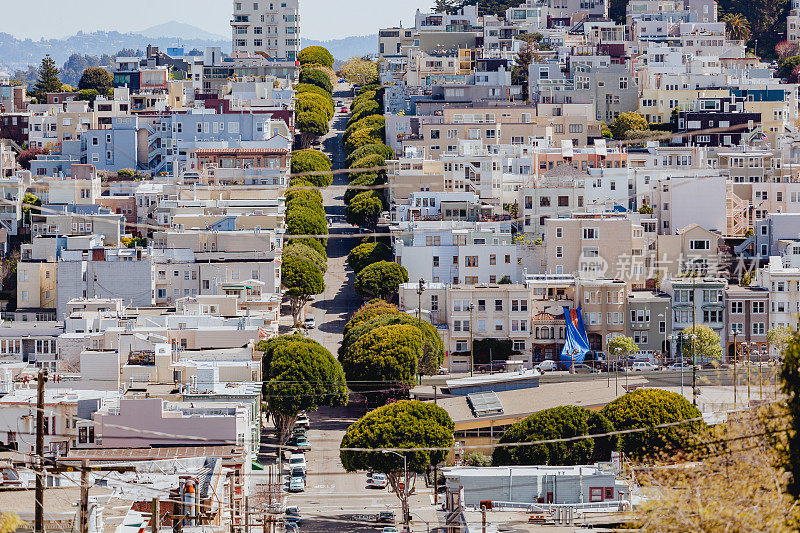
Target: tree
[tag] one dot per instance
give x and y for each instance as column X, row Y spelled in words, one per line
column 9, row 522
column 369, row 122
column 97, row 79
column 304, row 222
column 301, row 280
column 787, row 66
column 736, row 27
column 380, row 280
column 315, row 55
column 30, row 204
column 779, row 338
column 363, row 137
column 401, row 425
column 87, row 95
column 385, row 357
column 365, row 209
column 522, row 62
column 477, row 459
column 309, row 164
column 304, row 88
column 786, row 49
column 25, row 157
column 315, row 76
column 626, row 123
column 444, row 6
column 766, row 18
column 312, row 126
column 705, row 345
column 621, row 346
column 363, row 110
column 645, row 210
column 363, row 182
column 313, row 244
column 430, row 353
column 790, row 385
column 378, row 149
column 359, row 71
column 368, row 253
column 648, row 408
column 47, row 81
column 299, row 375
column 314, row 102
column 301, row 251
column 370, row 310
column 563, row 422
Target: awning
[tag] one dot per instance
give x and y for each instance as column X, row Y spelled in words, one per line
column 258, row 466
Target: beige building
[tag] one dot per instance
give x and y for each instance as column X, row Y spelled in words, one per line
column 603, row 302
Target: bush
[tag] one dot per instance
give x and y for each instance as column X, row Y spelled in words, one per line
column 304, row 161
column 644, row 408
column 380, row 149
column 477, row 459
column 315, row 76
column 368, row 253
column 557, row 423
column 315, row 55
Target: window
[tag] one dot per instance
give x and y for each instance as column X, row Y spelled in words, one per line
column 492, row 259
column 737, row 308
column 498, row 305
column 436, row 260
column 699, row 245
column 507, row 259
column 434, row 302
column 758, row 328
column 481, row 305
column 712, row 315
column 759, row 308
column 471, row 260
column 590, row 233
column 498, row 325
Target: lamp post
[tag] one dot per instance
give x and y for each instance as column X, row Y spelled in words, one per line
column 749, row 362
column 405, row 485
column 694, row 369
column 734, row 332
column 471, row 341
column 664, row 351
column 420, row 290
column 616, row 373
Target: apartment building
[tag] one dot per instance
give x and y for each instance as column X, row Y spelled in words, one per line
column 649, row 323
column 783, row 284
column 602, row 245
column 457, row 252
column 748, row 315
column 603, row 302
column 698, row 301
column 268, row 28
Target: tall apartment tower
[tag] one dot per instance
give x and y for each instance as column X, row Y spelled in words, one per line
column 268, row 27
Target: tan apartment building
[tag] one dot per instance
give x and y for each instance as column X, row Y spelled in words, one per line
column 603, row 302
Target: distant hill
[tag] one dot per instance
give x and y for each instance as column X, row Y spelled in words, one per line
column 17, row 54
column 179, row 30
column 343, row 49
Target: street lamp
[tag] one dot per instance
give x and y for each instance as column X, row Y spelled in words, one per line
column 405, row 484
column 420, row 290
column 664, row 351
column 694, row 368
column 616, row 373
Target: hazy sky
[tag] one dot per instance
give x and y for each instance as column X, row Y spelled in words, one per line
column 321, row 19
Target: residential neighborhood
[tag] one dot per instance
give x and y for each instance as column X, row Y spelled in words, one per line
column 519, row 266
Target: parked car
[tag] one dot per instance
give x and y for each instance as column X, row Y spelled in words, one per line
column 297, row 460
column 298, row 471
column 548, row 365
column 494, row 366
column 377, row 481
column 292, row 514
column 302, row 421
column 291, row 527
column 585, row 369
column 389, row 529
column 643, row 366
column 297, row 484
column 301, row 443
column 443, row 370
column 310, row 322
column 345, row 109
column 386, row 517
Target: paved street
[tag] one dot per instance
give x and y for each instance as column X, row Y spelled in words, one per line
column 333, row 308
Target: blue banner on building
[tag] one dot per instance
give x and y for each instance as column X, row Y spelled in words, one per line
column 577, row 343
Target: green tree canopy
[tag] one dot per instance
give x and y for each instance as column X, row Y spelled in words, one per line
column 790, row 386
column 380, row 280
column 96, row 79
column 364, row 110
column 301, row 251
column 304, row 195
column 47, row 81
column 303, row 221
column 365, row 209
column 430, row 355
column 647, row 408
column 318, row 77
column 312, row 161
column 368, row 253
column 404, row 424
column 706, row 344
column 303, row 88
column 621, row 346
column 371, row 309
column 299, row 375
column 314, row 103
column 315, row 55
column 370, row 122
column 301, row 279
column 626, row 123
column 363, row 137
column 557, row 423
column 359, row 71
column 312, row 243
column 311, row 125
column 369, row 179
column 371, row 149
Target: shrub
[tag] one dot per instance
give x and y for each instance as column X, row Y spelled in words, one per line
column 315, row 55
column 314, row 76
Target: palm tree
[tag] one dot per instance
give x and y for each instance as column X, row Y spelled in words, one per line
column 737, row 27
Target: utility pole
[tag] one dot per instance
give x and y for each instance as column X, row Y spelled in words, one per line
column 41, row 378
column 230, row 499
column 483, row 519
column 155, row 519
column 694, row 339
column 84, row 521
column 735, row 332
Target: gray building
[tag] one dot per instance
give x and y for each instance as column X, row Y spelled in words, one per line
column 649, row 322
column 776, row 227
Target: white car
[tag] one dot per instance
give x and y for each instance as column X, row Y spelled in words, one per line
column 297, row 460
column 377, row 481
column 310, row 322
column 548, row 365
column 643, row 366
column 302, row 421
